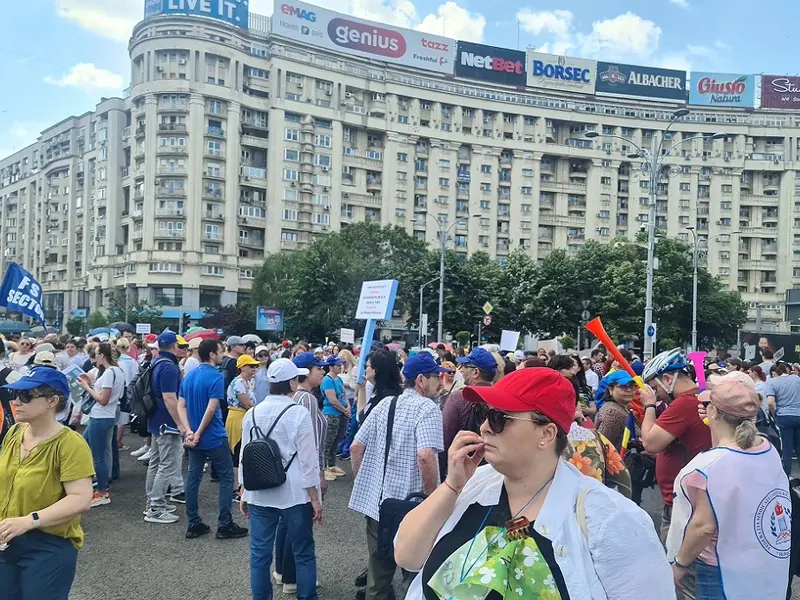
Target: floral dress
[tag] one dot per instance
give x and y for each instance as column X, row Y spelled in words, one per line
column 594, row 455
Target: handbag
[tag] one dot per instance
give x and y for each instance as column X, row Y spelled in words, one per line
column 392, row 511
column 88, row 402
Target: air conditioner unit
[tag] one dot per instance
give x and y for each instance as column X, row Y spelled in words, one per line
column 160, row 69
column 294, row 184
column 325, row 169
column 345, row 195
column 300, row 85
column 181, row 61
column 247, row 178
column 328, row 93
column 348, row 94
column 326, row 208
column 325, row 189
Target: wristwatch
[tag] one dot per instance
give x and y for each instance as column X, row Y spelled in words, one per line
column 679, row 565
column 37, row 522
column 646, row 406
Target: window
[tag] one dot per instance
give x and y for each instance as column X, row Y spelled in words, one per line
column 685, row 187
column 168, row 296
column 290, row 175
column 289, row 236
column 289, row 214
column 486, row 169
column 444, row 182
column 213, row 270
column 402, row 157
column 294, row 78
column 290, row 195
column 323, row 140
column 402, row 118
column 321, row 199
column 166, row 267
column 526, row 208
column 486, row 187
column 527, row 191
column 527, row 172
column 321, row 219
column 292, row 135
column 291, row 117
column 444, row 164
column 291, row 154
column 485, row 204
column 374, row 155
column 322, row 160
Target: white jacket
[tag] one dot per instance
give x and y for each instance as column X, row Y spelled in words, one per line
column 621, row 557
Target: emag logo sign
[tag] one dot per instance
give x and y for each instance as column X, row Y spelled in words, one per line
column 564, row 73
column 643, row 82
column 334, row 31
column 490, row 63
column 722, row 89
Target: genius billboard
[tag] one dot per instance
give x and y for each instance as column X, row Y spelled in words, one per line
column 616, row 79
column 722, row 89
column 309, row 24
column 232, row 12
column 490, row 63
column 563, row 73
column 780, row 91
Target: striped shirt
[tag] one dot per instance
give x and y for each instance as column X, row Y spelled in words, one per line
column 318, row 421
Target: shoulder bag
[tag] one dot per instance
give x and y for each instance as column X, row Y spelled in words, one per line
column 392, row 510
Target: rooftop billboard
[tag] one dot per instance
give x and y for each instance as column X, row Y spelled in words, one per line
column 722, row 89
column 490, row 63
column 232, row 12
column 562, row 73
column 616, row 79
column 780, row 91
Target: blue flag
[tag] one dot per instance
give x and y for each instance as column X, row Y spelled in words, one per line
column 21, row 293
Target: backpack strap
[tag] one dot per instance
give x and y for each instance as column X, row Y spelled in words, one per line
column 389, row 428
column 580, row 513
column 269, row 432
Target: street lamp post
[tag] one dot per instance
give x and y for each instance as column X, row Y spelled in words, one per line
column 421, row 330
column 653, row 163
column 695, row 255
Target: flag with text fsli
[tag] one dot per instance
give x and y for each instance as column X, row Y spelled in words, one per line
column 21, row 293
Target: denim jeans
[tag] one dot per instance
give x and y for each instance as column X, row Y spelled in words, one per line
column 220, row 458
column 37, row 565
column 98, row 434
column 709, row 582
column 165, row 463
column 789, row 427
column 263, row 525
column 284, row 559
column 689, row 581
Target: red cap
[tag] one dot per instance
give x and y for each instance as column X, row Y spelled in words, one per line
column 537, row 389
column 150, row 338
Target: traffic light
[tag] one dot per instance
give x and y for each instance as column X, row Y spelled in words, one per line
column 185, row 318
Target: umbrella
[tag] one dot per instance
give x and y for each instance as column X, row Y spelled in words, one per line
column 252, row 337
column 122, row 326
column 447, row 346
column 195, row 329
column 98, row 331
column 395, row 346
column 40, row 331
column 9, row 326
column 205, row 334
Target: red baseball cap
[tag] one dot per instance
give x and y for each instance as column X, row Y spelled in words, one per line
column 539, row 389
column 150, row 338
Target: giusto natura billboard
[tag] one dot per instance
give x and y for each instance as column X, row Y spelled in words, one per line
column 618, row 79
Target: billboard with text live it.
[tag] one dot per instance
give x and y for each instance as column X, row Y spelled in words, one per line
column 780, row 91
column 309, row 24
column 490, row 63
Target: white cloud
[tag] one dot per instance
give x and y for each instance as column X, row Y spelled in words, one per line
column 87, row 77
column 452, row 20
column 113, row 19
column 554, row 22
column 19, row 135
column 684, row 4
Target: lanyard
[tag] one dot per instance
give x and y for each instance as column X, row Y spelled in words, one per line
column 499, row 533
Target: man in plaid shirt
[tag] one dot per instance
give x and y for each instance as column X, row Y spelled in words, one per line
column 413, row 463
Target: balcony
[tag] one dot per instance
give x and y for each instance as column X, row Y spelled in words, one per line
column 171, row 170
column 125, row 171
column 140, row 131
column 170, row 212
column 376, row 183
column 170, row 193
column 214, row 215
column 255, row 124
column 252, row 242
column 252, row 221
column 212, row 194
column 758, row 264
column 253, row 140
column 172, row 234
column 172, row 150
column 551, row 219
column 288, row 244
column 212, row 236
column 176, row 127
column 173, row 106
column 216, row 132
column 248, row 172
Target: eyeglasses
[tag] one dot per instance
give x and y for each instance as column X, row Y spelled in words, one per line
column 25, row 396
column 261, row 355
column 497, row 418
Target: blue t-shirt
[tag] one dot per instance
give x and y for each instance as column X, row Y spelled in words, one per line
column 166, row 379
column 336, row 386
column 197, row 389
column 786, row 390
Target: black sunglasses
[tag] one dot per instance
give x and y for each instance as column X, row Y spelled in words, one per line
column 25, row 396
column 262, row 355
column 497, row 418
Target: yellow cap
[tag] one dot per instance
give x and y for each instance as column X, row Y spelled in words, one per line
column 181, row 341
column 244, row 360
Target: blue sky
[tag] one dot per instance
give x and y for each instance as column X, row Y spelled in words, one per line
column 60, row 56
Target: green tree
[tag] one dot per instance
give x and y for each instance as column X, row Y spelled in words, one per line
column 567, row 342
column 139, row 311
column 95, row 320
column 236, row 319
column 76, row 326
column 463, row 338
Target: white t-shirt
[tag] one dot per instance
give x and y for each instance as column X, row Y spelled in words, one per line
column 112, row 378
column 592, row 380
column 191, row 363
column 129, row 367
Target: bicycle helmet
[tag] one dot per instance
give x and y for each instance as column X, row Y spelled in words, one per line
column 671, row 360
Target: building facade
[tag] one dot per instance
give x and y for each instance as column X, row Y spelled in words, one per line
column 230, row 145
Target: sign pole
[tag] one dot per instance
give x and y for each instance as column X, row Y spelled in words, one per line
column 375, row 303
column 366, row 346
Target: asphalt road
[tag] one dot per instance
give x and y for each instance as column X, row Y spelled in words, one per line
column 124, row 557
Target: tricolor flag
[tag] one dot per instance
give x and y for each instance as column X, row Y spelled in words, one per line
column 629, row 434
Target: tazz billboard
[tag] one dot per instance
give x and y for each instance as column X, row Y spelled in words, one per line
column 232, row 12
column 309, row 24
column 642, row 82
column 490, row 63
column 564, row 73
column 780, row 91
column 722, row 89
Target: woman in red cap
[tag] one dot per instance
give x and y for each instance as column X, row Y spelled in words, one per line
column 528, row 524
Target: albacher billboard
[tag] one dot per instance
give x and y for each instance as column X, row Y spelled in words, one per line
column 617, row 79
column 722, row 89
column 232, row 12
column 780, row 91
column 563, row 73
column 310, row 24
column 490, row 63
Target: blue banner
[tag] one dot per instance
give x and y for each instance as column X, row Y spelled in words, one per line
column 232, row 12
column 642, row 82
column 21, row 293
column 269, row 319
column 722, row 89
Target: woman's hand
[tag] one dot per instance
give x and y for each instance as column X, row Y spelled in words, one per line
column 464, row 456
column 678, row 575
column 243, row 509
column 14, row 527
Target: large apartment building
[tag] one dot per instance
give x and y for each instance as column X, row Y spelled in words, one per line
column 232, row 144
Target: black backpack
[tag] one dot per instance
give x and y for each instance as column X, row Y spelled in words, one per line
column 141, row 400
column 765, row 423
column 262, row 464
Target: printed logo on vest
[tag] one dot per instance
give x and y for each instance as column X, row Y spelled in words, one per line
column 773, row 523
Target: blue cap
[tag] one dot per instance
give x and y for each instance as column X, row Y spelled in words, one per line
column 306, row 360
column 167, row 339
column 638, row 367
column 421, row 364
column 333, row 361
column 480, row 358
column 40, row 376
column 618, row 377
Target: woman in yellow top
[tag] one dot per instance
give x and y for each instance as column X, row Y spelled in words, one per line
column 241, row 397
column 45, row 485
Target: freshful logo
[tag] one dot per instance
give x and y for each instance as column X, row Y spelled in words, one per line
column 613, row 76
column 367, row 38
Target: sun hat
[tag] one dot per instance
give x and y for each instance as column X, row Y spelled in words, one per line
column 245, row 360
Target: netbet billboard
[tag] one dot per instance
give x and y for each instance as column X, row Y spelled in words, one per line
column 232, row 12
column 563, row 73
column 490, row 63
column 309, row 24
column 617, row 79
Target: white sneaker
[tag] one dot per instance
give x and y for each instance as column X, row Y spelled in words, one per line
column 277, row 577
column 146, row 456
column 171, row 508
column 289, row 588
column 144, row 449
column 160, row 517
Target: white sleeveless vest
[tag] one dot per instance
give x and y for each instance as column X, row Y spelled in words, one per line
column 749, row 494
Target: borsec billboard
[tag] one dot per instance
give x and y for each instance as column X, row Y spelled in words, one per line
column 232, row 12
column 617, row 79
column 563, row 73
column 780, row 91
column 310, row 24
column 490, row 63
column 722, row 89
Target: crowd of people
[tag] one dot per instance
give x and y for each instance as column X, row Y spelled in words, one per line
column 479, row 474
